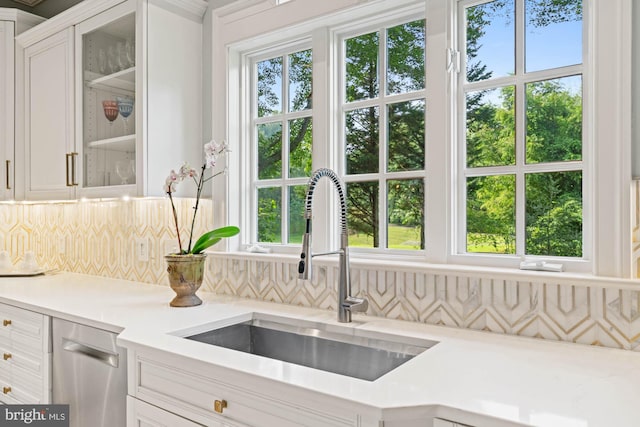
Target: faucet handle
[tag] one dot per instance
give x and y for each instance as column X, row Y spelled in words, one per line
column 356, row 304
column 304, row 266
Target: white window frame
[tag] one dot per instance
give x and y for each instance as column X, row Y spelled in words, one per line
column 382, row 101
column 284, row 182
column 520, row 169
column 607, row 117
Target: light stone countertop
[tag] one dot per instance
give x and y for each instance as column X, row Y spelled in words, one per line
column 520, row 380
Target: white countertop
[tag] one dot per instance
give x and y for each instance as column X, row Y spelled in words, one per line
column 521, row 380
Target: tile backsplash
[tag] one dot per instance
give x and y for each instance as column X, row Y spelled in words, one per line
column 100, row 237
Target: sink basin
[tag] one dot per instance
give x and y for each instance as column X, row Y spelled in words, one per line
column 341, row 350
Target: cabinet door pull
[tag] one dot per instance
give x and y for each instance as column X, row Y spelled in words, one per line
column 6, row 390
column 8, row 165
column 219, row 405
column 6, row 356
column 68, row 156
column 73, row 169
column 6, row 322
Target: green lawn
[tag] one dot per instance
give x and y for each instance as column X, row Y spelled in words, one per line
column 407, row 238
column 400, row 237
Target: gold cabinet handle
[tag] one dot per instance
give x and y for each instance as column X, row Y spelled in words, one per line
column 6, row 356
column 6, row 322
column 67, row 157
column 219, row 405
column 8, row 165
column 6, row 390
column 73, row 169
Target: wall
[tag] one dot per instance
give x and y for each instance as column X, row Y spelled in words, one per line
column 98, row 237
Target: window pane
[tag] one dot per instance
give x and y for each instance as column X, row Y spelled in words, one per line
column 362, row 67
column 300, row 71
column 270, row 87
column 362, row 203
column 406, row 136
column 269, row 150
column 269, row 212
column 405, row 57
column 362, row 134
column 491, row 127
column 554, row 214
column 300, row 143
column 490, row 40
column 491, row 219
column 406, row 214
column 297, row 222
column 554, row 120
column 553, row 34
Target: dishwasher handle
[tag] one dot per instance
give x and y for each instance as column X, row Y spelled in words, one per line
column 106, row 357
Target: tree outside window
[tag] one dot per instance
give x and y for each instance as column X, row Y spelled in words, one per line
column 523, row 128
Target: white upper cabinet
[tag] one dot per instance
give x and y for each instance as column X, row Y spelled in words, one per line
column 106, row 100
column 50, row 157
column 136, row 99
column 12, row 22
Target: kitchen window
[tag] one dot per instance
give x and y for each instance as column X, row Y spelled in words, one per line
column 520, row 104
column 282, row 143
column 380, row 135
column 473, row 132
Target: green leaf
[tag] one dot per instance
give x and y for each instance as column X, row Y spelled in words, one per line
column 213, row 237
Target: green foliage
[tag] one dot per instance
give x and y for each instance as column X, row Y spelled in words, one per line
column 212, row 237
column 269, row 214
column 553, row 200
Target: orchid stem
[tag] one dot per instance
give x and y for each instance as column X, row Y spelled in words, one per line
column 175, row 220
column 195, row 209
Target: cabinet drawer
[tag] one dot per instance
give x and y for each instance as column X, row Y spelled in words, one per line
column 17, row 392
column 26, row 384
column 194, row 396
column 24, row 327
column 32, row 362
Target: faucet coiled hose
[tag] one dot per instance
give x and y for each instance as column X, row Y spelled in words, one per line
column 313, row 181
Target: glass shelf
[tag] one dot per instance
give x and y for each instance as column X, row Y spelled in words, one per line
column 123, row 79
column 126, row 143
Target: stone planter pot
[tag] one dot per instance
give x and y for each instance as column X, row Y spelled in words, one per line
column 185, row 277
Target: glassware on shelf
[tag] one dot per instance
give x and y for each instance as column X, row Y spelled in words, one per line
column 121, row 56
column 125, row 107
column 102, row 61
column 112, row 60
column 130, row 51
column 125, row 170
column 110, row 108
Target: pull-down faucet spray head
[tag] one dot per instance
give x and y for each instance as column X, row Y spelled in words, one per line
column 305, row 266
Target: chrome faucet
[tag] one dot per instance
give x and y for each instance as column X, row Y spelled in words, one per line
column 346, row 303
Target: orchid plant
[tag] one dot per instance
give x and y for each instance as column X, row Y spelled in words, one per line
column 212, row 151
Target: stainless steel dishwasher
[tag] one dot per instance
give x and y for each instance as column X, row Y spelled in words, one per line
column 89, row 374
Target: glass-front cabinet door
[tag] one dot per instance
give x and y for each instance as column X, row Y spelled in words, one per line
column 106, row 133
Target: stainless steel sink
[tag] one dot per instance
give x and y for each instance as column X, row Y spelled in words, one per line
column 310, row 344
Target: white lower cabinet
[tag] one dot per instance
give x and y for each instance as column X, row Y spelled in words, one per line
column 25, row 356
column 215, row 396
column 141, row 414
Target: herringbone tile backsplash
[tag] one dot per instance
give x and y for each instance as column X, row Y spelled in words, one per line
column 99, row 237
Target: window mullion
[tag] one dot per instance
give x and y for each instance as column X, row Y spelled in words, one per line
column 520, row 131
column 382, row 140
